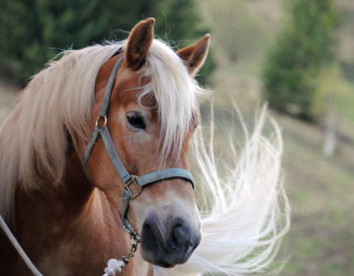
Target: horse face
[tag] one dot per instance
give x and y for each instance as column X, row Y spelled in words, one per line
column 164, row 214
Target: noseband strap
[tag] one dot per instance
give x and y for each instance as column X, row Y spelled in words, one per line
column 129, row 180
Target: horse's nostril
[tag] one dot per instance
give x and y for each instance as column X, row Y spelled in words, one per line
column 176, row 237
column 179, row 236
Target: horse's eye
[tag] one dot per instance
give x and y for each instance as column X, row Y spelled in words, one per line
column 136, row 120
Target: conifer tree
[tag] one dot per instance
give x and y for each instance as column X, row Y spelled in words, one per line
column 304, row 47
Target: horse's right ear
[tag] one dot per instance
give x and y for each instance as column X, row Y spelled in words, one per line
column 139, row 42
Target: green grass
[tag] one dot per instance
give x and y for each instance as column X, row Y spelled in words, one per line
column 321, row 238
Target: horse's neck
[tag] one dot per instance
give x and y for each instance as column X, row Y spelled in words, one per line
column 70, row 230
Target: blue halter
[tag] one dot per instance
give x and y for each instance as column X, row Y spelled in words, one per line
column 129, row 180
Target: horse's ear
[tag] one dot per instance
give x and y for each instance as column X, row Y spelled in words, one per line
column 139, row 42
column 196, row 54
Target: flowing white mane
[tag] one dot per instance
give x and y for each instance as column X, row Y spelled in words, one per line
column 58, row 102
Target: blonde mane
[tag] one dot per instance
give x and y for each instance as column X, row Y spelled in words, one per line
column 176, row 93
column 57, row 104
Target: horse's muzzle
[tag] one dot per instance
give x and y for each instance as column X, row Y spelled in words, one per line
column 169, row 242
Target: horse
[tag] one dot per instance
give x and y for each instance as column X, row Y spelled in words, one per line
column 94, row 166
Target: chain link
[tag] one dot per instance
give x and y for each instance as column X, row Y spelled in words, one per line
column 134, row 242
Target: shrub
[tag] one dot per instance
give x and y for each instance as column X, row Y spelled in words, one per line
column 294, row 64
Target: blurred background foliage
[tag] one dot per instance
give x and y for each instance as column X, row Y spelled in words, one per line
column 36, row 30
column 296, row 54
column 303, row 49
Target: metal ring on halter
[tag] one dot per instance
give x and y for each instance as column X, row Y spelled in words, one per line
column 104, row 117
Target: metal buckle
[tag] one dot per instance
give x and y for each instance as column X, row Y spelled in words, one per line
column 138, row 187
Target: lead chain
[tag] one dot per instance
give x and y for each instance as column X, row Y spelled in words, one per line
column 134, row 241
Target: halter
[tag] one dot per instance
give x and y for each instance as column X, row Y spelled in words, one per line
column 129, row 180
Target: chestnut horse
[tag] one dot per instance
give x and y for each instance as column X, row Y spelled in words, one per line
column 93, row 166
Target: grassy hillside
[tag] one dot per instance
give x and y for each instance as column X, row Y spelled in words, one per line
column 320, row 189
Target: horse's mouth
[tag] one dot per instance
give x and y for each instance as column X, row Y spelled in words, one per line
column 165, row 252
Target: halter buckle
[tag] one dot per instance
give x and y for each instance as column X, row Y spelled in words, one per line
column 138, row 188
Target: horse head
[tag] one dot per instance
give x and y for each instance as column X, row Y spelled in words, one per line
column 151, row 117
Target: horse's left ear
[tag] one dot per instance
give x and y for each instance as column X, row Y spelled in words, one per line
column 196, row 54
column 139, row 43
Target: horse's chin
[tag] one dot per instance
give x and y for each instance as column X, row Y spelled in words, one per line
column 158, row 257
